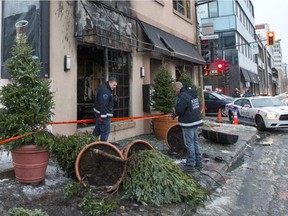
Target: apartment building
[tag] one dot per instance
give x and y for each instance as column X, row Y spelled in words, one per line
column 278, row 64
column 82, row 43
column 233, row 32
column 271, row 73
column 285, row 80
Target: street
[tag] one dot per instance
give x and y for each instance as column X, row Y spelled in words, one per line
column 257, row 184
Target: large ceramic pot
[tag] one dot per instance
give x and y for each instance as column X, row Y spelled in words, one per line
column 174, row 140
column 162, row 125
column 30, row 163
column 100, row 164
column 135, row 147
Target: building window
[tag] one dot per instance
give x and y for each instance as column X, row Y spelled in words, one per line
column 229, row 40
column 37, row 15
column 183, row 7
column 118, row 66
column 213, row 9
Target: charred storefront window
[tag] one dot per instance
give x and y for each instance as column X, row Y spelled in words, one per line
column 106, row 35
column 36, row 15
column 95, row 65
column 118, row 63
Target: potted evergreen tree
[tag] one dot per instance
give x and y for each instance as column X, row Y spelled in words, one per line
column 163, row 100
column 27, row 103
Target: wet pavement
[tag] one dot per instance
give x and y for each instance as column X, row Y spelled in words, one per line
column 49, row 195
column 258, row 186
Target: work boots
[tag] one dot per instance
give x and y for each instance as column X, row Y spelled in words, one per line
column 199, row 165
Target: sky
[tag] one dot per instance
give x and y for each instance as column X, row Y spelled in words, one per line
column 275, row 14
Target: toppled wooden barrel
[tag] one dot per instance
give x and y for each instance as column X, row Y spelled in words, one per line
column 135, row 147
column 219, row 137
column 174, row 140
column 100, row 164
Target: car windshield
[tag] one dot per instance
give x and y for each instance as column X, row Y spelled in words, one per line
column 227, row 97
column 219, row 96
column 266, row 102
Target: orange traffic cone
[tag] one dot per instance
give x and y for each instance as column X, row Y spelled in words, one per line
column 219, row 116
column 235, row 118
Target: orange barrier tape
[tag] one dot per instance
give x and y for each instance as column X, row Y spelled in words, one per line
column 85, row 121
column 203, row 108
column 138, row 118
column 18, row 137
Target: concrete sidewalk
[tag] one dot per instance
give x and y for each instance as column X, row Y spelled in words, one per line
column 217, row 159
column 215, row 156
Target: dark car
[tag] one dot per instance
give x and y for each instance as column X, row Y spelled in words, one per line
column 214, row 101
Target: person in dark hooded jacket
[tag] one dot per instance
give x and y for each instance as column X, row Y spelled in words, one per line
column 189, row 118
column 103, row 109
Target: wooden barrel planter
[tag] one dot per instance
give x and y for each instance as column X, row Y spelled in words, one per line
column 135, row 147
column 100, row 164
column 30, row 163
column 174, row 140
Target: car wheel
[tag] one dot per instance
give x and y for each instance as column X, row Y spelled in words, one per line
column 223, row 113
column 260, row 123
column 230, row 116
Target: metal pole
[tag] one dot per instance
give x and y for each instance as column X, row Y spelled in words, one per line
column 200, row 68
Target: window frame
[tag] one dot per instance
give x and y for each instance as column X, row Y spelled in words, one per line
column 119, row 67
column 183, row 7
column 44, row 10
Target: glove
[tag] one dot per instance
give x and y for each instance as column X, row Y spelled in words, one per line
column 173, row 115
column 115, row 98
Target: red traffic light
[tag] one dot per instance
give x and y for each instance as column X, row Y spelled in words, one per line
column 270, row 38
column 219, row 67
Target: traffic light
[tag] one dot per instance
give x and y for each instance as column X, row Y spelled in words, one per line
column 206, row 71
column 206, row 50
column 227, row 77
column 220, row 67
column 214, row 50
column 270, row 38
column 226, row 66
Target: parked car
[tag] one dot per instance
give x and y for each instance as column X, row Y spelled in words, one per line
column 283, row 97
column 261, row 111
column 214, row 101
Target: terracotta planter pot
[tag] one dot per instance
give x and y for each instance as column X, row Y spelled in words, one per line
column 135, row 147
column 174, row 139
column 100, row 170
column 161, row 126
column 30, row 163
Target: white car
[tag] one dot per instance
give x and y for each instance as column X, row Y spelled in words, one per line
column 262, row 111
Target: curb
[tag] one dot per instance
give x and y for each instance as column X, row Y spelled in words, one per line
column 216, row 176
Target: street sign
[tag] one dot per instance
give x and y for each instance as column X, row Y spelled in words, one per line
column 209, row 37
column 254, row 48
column 214, row 73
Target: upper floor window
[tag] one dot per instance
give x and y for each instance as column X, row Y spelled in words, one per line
column 183, row 7
column 213, row 9
column 36, row 29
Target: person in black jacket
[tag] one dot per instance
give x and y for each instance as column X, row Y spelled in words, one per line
column 189, row 118
column 237, row 93
column 103, row 109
